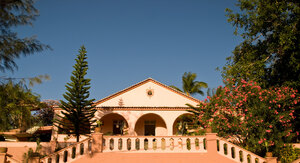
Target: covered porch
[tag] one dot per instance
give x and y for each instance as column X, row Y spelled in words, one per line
column 140, row 121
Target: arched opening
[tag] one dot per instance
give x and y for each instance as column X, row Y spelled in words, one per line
column 114, row 124
column 183, row 124
column 150, row 124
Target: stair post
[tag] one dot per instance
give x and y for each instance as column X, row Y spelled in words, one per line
column 53, row 145
column 97, row 142
column 3, row 154
column 211, row 143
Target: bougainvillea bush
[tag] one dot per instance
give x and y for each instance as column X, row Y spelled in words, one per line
column 258, row 119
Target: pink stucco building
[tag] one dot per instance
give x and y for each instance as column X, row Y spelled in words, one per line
column 139, row 125
column 146, row 108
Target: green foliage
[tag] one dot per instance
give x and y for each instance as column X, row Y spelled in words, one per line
column 31, row 81
column 288, row 154
column 14, row 13
column 78, row 110
column 269, row 53
column 189, row 85
column 258, row 119
column 16, row 103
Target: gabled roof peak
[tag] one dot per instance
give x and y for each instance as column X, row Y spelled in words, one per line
column 141, row 83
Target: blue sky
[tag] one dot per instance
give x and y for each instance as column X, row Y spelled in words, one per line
column 128, row 41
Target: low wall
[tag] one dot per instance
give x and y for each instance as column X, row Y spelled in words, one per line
column 17, row 149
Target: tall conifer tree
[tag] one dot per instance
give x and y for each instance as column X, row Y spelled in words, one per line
column 78, row 110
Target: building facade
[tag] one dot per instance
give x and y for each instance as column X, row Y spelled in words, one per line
column 148, row 108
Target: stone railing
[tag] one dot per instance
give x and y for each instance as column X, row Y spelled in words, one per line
column 237, row 153
column 153, row 144
column 211, row 147
column 70, row 153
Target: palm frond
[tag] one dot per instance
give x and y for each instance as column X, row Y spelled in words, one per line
column 176, row 88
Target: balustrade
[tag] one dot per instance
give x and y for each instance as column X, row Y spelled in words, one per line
column 237, row 153
column 153, row 144
column 70, row 153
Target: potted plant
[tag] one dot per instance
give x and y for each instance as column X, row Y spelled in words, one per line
column 98, row 127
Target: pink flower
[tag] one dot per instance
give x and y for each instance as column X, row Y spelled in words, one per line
column 268, row 131
column 261, row 141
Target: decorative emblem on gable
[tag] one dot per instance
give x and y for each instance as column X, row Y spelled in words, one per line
column 121, row 102
column 150, row 92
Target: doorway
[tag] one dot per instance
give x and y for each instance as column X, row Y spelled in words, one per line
column 118, row 126
column 150, row 128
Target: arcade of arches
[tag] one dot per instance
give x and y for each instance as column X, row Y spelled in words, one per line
column 141, row 124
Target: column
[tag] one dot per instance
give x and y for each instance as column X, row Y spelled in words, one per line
column 271, row 159
column 211, row 145
column 97, row 142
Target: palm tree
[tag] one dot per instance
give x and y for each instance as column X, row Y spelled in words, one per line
column 189, row 85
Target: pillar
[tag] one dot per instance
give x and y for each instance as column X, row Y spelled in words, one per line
column 271, row 159
column 53, row 145
column 211, row 143
column 169, row 125
column 97, row 140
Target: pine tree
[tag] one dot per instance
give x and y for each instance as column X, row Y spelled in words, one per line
column 78, row 110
